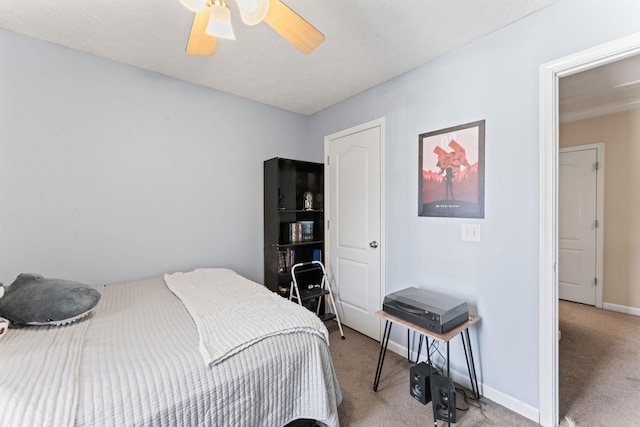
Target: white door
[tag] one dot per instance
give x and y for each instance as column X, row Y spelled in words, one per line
column 577, row 226
column 354, row 224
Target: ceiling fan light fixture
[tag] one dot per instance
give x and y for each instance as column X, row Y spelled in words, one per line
column 194, row 5
column 247, row 5
column 220, row 21
column 257, row 15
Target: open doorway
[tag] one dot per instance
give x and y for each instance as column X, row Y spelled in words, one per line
column 550, row 75
column 598, row 113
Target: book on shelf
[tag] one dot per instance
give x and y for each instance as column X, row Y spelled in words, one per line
column 317, row 255
column 300, row 231
column 290, row 257
column 307, row 230
column 282, row 261
column 295, row 232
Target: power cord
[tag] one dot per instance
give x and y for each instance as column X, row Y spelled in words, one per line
column 434, row 348
column 470, row 400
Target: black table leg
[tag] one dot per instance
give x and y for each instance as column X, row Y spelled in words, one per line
column 383, row 352
column 471, row 367
column 411, row 344
column 428, row 354
column 449, row 387
column 448, row 364
column 431, row 372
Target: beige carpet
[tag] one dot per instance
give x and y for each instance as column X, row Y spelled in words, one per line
column 599, row 366
column 355, row 360
column 599, row 377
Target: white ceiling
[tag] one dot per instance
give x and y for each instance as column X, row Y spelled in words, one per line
column 367, row 42
column 607, row 89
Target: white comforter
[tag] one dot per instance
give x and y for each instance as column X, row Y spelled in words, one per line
column 232, row 313
column 139, row 365
column 39, row 375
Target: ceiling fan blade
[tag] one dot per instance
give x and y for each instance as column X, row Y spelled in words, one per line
column 302, row 35
column 200, row 43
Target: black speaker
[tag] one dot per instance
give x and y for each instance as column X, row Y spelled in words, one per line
column 419, row 385
column 443, row 394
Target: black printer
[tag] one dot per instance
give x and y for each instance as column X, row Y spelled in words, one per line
column 427, row 309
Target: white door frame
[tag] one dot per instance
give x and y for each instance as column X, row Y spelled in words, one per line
column 380, row 122
column 550, row 74
column 599, row 147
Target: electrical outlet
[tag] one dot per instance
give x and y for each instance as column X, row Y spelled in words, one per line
column 471, row 232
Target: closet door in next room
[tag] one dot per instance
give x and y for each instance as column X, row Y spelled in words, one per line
column 577, row 225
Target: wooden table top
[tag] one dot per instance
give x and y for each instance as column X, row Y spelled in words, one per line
column 446, row 337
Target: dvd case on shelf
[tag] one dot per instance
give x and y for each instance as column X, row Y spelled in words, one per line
column 300, row 231
column 295, row 232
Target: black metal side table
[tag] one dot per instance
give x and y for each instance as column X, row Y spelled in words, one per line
column 462, row 329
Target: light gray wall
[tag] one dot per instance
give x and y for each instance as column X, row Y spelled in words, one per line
column 111, row 173
column 496, row 79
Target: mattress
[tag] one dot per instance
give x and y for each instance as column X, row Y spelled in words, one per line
column 139, row 365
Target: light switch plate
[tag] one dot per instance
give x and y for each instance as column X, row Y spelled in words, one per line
column 471, row 232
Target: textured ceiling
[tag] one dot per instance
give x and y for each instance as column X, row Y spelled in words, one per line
column 367, row 42
column 607, row 89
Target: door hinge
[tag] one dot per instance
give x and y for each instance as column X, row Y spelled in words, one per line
column 328, row 161
column 328, row 225
column 597, row 165
column 596, row 223
column 595, row 281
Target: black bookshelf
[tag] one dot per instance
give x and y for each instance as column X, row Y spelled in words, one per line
column 293, row 223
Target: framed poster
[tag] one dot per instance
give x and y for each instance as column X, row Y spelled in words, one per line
column 451, row 172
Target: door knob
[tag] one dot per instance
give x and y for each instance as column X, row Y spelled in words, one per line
column 373, row 244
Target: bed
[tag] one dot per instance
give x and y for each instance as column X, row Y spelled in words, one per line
column 138, row 361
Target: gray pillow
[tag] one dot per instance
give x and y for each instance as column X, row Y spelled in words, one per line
column 34, row 300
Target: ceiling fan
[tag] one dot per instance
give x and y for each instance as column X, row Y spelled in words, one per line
column 213, row 20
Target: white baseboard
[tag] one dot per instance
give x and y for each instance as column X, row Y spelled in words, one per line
column 621, row 308
column 490, row 393
column 511, row 403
